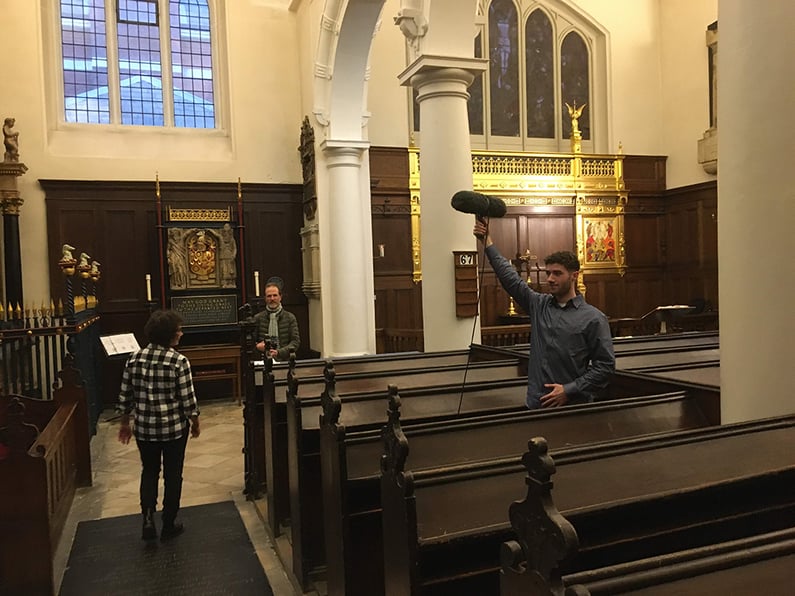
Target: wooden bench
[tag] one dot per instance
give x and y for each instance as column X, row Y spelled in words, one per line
column 760, row 564
column 732, row 535
column 662, row 343
column 271, row 388
column 439, row 391
column 47, row 458
column 640, row 497
column 350, row 455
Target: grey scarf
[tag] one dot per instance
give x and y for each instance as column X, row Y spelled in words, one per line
column 273, row 323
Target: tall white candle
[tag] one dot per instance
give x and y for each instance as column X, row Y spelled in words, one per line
column 256, row 283
column 148, row 287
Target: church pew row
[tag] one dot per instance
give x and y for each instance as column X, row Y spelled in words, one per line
column 350, row 458
column 648, row 344
column 490, row 386
column 635, row 498
column 709, row 539
column 303, row 449
column 268, row 410
column 705, row 375
column 760, row 564
column 47, row 457
column 631, row 346
column 271, row 384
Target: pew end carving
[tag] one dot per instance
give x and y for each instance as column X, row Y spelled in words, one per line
column 530, row 565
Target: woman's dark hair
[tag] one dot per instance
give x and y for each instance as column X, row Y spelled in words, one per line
column 162, row 326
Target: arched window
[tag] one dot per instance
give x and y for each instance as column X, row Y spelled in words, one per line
column 542, row 55
column 146, row 62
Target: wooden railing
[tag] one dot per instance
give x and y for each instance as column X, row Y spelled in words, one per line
column 33, row 348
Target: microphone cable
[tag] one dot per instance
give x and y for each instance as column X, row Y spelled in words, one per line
column 484, row 220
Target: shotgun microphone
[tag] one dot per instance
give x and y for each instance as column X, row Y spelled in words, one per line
column 467, row 201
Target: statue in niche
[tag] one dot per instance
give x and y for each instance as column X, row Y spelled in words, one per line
column 177, row 261
column 226, row 257
column 10, row 140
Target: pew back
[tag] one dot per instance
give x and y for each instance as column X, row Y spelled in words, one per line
column 625, row 499
column 38, row 479
column 350, row 463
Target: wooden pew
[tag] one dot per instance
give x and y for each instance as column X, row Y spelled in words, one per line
column 47, row 458
column 760, row 564
column 706, row 537
column 438, row 394
column 671, row 341
column 271, row 385
column 350, row 455
column 640, row 497
column 649, row 362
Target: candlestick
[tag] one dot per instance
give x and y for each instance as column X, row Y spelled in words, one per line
column 148, row 288
column 256, row 283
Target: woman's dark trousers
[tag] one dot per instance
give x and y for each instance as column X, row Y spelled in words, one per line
column 172, row 455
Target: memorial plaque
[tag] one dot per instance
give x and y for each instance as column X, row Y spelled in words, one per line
column 220, row 309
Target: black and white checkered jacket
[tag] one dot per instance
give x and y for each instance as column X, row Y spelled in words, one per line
column 158, row 388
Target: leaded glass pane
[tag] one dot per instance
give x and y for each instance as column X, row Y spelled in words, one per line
column 575, row 82
column 504, row 68
column 85, row 61
column 475, row 105
column 140, row 76
column 540, row 72
column 191, row 64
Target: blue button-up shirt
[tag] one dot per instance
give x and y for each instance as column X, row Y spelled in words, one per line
column 569, row 345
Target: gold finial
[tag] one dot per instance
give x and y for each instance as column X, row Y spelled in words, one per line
column 18, row 311
column 60, row 307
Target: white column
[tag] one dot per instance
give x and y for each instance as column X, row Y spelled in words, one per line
column 445, row 168
column 349, row 277
column 756, row 208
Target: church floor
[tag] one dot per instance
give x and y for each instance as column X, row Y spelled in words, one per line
column 213, row 472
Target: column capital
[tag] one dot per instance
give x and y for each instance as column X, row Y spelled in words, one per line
column 340, row 152
column 433, row 67
column 10, row 202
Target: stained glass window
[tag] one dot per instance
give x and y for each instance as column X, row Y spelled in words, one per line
column 575, row 82
column 504, row 68
column 540, row 76
column 134, row 71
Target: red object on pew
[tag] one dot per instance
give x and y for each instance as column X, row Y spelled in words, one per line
column 3, row 451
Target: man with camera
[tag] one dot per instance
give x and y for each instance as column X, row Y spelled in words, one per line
column 277, row 329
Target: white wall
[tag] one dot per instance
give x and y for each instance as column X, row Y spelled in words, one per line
column 685, row 90
column 258, row 143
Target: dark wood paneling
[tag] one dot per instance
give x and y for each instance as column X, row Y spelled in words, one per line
column 398, row 300
column 671, row 244
column 389, row 169
column 116, row 223
column 644, row 173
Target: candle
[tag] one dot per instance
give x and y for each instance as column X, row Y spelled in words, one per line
column 148, row 287
column 256, row 283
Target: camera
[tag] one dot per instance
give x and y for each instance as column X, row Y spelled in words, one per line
column 271, row 343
